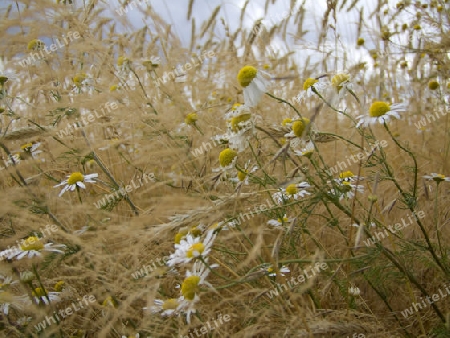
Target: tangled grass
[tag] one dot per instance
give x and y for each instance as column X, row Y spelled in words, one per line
column 301, row 212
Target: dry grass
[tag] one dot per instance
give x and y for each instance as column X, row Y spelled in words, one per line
column 141, row 133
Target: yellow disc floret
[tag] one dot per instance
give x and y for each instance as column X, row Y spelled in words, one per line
column 79, row 78
column 197, row 248
column 226, row 157
column 309, row 82
column 35, row 44
column 121, row 60
column 291, row 189
column 379, row 108
column 26, row 147
column 32, row 243
column 246, row 75
column 59, row 286
column 170, row 304
column 189, row 287
column 74, row 178
column 191, row 118
column 346, row 174
column 339, row 79
column 39, row 292
column 360, row 41
column 235, row 121
column 298, row 127
column 241, row 175
column 433, row 85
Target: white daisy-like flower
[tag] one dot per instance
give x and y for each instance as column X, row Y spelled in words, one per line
column 349, row 177
column 227, row 160
column 311, row 84
column 242, row 176
column 354, row 291
column 255, row 83
column 31, row 149
column 12, row 159
column 8, row 300
column 282, row 271
column 299, row 128
column 24, row 321
column 76, row 180
column 190, row 285
column 168, row 307
column 40, row 296
column 437, row 177
column 31, row 247
column 6, row 282
column 347, row 190
column 307, row 150
column 341, row 83
column 381, row 112
column 191, row 247
column 292, row 191
column 279, row 222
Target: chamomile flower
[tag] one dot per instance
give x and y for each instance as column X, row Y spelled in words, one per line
column 31, row 247
column 354, row 291
column 381, row 112
column 348, row 176
column 166, row 308
column 242, row 176
column 6, row 282
column 227, row 160
column 437, row 178
column 279, row 222
column 341, row 81
column 254, row 82
column 299, row 128
column 282, row 271
column 310, row 85
column 307, row 150
column 8, row 300
column 43, row 296
column 30, row 149
column 190, row 288
column 76, row 180
column 191, row 247
column 292, row 191
column 347, row 190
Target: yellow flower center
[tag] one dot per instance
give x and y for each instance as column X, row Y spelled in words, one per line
column 170, row 304
column 79, row 78
column 179, row 236
column 241, row 175
column 291, row 189
column 360, row 41
column 39, row 292
column 196, row 232
column 283, row 220
column 122, row 60
column 26, row 147
column 346, row 174
column 191, row 118
column 3, row 80
column 226, row 157
column 270, row 269
column 298, row 127
column 286, row 121
column 417, row 27
column 198, row 248
column 35, row 44
column 439, row 178
column 246, row 75
column 74, row 178
column 309, row 82
column 113, row 88
column 32, row 243
column 109, row 301
column 59, row 286
column 378, row 108
column 235, row 106
column 338, row 80
column 433, row 85
column 238, row 119
column 189, row 287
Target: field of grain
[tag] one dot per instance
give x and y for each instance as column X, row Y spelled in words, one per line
column 225, row 168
